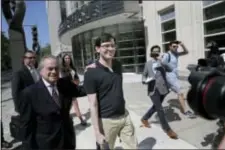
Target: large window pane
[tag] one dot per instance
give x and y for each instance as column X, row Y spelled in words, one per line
column 139, row 34
column 125, row 28
column 111, row 29
column 169, row 37
column 220, row 40
column 140, row 68
column 126, row 61
column 125, row 36
column 126, row 44
column 137, row 26
column 168, row 14
column 141, row 51
column 127, row 53
column 170, row 25
column 215, row 27
column 142, row 59
column 206, row 3
column 140, row 43
column 214, row 11
column 88, row 47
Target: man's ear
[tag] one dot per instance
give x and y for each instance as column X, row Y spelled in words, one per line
column 97, row 48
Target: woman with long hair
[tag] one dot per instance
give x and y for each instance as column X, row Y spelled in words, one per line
column 68, row 70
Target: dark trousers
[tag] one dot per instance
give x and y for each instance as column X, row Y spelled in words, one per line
column 157, row 100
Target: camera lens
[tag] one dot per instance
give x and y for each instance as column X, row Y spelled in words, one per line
column 207, row 94
column 213, row 98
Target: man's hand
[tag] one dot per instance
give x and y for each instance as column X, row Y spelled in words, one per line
column 100, row 139
column 181, row 44
column 90, row 66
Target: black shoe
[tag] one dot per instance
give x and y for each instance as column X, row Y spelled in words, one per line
column 6, row 144
column 83, row 123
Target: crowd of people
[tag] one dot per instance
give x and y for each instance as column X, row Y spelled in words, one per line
column 43, row 97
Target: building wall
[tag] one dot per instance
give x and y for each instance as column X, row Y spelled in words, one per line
column 189, row 27
column 54, row 19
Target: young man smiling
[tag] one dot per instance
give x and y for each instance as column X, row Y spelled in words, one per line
column 104, row 87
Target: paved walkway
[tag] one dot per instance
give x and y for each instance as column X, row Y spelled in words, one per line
column 153, row 138
column 196, row 132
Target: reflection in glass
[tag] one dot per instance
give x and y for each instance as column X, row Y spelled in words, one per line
column 214, row 11
column 129, row 52
column 171, row 36
column 168, row 14
column 206, row 3
column 218, row 39
column 170, row 25
column 130, row 46
column 215, row 26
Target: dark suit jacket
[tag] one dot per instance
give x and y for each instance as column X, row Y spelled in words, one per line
column 20, row 80
column 44, row 124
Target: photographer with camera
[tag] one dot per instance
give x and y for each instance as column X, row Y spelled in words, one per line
column 207, row 95
column 214, row 59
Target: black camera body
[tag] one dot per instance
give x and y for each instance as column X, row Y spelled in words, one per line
column 207, row 94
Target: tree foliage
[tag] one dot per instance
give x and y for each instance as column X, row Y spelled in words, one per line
column 46, row 50
column 5, row 54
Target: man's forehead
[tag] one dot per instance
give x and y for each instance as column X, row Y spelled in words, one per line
column 50, row 61
column 29, row 54
column 112, row 41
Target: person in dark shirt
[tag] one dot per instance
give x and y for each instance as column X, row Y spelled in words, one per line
column 103, row 85
column 70, row 72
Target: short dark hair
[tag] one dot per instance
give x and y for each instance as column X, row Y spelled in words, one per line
column 155, row 46
column 105, row 37
column 173, row 42
column 151, row 51
column 29, row 51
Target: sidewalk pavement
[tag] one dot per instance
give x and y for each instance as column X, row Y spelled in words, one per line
column 148, row 138
column 197, row 132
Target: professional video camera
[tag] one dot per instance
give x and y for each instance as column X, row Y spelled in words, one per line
column 207, row 94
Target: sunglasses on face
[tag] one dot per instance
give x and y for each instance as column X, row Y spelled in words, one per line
column 30, row 57
column 174, row 46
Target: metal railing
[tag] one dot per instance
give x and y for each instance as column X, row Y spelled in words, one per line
column 92, row 11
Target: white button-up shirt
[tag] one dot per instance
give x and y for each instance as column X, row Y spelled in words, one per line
column 49, row 87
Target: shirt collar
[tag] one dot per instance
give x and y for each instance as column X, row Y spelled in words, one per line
column 47, row 84
column 98, row 64
column 29, row 68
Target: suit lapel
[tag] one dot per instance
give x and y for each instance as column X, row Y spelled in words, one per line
column 46, row 94
column 27, row 73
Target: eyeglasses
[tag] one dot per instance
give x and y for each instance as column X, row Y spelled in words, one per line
column 108, row 45
column 29, row 57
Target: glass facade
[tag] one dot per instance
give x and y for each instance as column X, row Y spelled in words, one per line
column 168, row 27
column 214, row 23
column 130, row 39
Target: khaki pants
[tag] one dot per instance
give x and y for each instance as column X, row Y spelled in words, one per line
column 121, row 126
